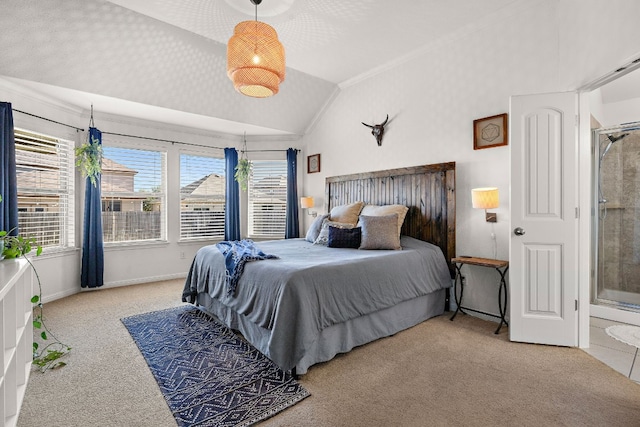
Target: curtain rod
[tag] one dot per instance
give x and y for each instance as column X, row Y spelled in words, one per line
column 266, row 151
column 144, row 137
column 162, row 140
column 187, row 143
column 49, row 120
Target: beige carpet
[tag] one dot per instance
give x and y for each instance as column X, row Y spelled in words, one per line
column 439, row 373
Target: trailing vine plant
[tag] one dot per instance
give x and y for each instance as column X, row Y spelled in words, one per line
column 47, row 357
column 243, row 168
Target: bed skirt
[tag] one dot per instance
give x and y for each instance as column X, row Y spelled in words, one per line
column 339, row 338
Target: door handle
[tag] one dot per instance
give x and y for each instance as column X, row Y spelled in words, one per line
column 518, row 231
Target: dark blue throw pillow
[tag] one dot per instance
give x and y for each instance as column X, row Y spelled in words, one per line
column 344, row 237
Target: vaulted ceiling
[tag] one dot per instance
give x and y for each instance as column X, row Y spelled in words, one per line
column 166, row 59
column 334, row 40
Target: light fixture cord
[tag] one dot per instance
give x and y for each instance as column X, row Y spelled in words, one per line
column 91, row 124
column 243, row 152
column 255, row 43
column 495, row 241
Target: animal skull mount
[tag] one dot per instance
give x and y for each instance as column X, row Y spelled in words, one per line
column 378, row 130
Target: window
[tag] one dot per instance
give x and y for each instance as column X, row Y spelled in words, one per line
column 44, row 170
column 267, row 193
column 133, row 194
column 111, row 206
column 202, row 196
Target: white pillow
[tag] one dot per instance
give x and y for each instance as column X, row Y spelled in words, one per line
column 346, row 213
column 373, row 210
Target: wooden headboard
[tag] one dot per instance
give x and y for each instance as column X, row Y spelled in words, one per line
column 428, row 191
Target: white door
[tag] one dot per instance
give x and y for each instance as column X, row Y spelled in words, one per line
column 543, row 250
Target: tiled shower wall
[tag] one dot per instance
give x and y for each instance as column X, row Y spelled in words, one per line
column 619, row 231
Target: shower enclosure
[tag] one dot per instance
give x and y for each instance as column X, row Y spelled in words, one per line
column 617, row 217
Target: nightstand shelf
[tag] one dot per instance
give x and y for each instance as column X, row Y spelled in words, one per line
column 501, row 267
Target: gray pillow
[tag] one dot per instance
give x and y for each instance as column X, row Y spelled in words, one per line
column 380, row 232
column 314, row 230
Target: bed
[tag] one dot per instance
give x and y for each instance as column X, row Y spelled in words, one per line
column 313, row 301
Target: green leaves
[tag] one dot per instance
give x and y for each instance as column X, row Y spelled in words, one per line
column 54, row 349
column 243, row 169
column 89, row 159
column 50, row 359
column 16, row 246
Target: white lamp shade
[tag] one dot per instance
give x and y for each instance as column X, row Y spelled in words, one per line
column 306, row 202
column 485, row 198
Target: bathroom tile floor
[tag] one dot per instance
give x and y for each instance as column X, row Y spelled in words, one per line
column 616, row 354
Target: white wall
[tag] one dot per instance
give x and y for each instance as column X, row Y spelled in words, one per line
column 433, row 98
column 622, row 112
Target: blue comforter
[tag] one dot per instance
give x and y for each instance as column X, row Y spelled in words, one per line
column 311, row 287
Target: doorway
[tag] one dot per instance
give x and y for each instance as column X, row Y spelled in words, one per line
column 615, row 176
column 617, row 216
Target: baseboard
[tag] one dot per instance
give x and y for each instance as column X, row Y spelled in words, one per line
column 59, row 295
column 142, row 280
column 139, row 281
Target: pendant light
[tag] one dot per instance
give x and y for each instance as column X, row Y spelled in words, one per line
column 255, row 58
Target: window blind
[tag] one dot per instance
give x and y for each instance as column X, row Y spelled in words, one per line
column 202, row 196
column 133, row 194
column 267, row 198
column 44, row 171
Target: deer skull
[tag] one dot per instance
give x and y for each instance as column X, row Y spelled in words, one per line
column 377, row 130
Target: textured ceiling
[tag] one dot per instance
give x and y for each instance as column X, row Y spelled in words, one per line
column 165, row 60
column 335, row 40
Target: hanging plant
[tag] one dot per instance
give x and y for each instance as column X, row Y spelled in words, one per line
column 89, row 159
column 243, row 169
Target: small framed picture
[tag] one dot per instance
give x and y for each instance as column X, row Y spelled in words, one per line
column 490, row 132
column 313, row 163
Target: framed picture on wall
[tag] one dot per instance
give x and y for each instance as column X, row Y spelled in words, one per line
column 313, row 163
column 490, row 132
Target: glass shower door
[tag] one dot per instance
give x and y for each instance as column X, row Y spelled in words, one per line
column 618, row 210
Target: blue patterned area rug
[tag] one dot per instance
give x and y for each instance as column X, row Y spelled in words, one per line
column 209, row 375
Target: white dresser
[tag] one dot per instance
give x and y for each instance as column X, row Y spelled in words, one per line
column 16, row 290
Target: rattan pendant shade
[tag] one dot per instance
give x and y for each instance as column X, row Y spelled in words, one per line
column 255, row 59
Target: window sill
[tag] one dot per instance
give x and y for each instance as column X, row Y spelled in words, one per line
column 200, row 240
column 263, row 238
column 115, row 246
column 53, row 253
